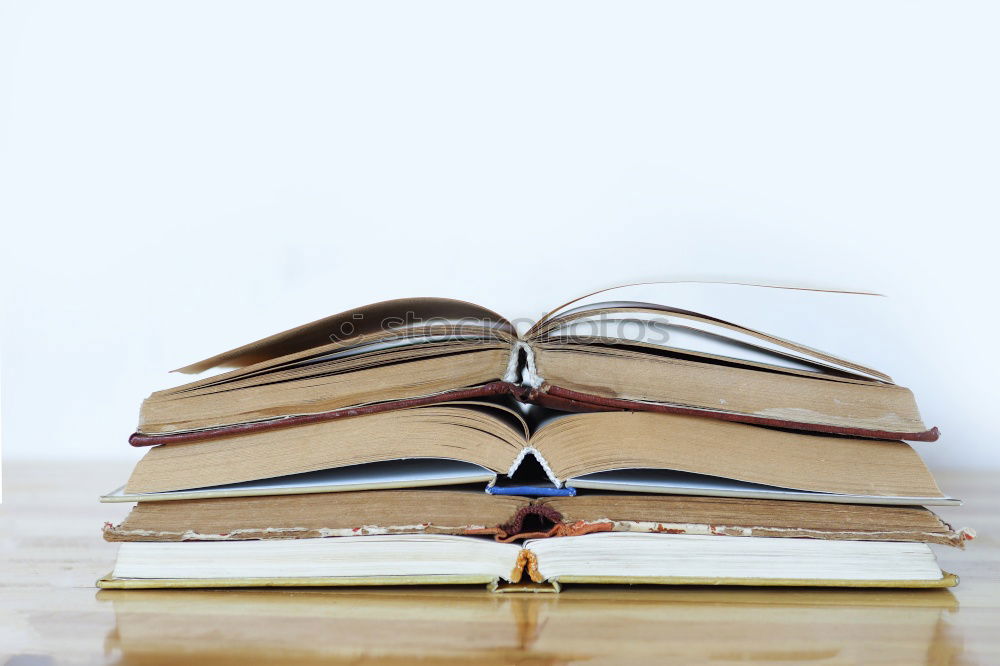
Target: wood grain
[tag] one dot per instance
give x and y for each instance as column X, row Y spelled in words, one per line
column 51, row 552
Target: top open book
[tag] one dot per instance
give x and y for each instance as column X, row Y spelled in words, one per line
column 718, row 350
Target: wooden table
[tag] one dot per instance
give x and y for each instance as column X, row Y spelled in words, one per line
column 51, row 552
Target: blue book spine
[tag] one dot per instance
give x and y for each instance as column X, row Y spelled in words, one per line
column 537, row 491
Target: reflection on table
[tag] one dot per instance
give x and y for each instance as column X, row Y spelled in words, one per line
column 583, row 624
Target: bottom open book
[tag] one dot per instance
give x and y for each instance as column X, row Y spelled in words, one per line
column 608, row 557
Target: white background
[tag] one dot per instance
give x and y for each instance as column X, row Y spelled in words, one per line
column 182, row 177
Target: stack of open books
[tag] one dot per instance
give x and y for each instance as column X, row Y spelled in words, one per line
column 616, row 440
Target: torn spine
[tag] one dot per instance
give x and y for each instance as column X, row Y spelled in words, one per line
column 523, row 374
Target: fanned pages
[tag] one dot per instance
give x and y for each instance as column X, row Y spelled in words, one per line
column 396, row 319
column 593, row 356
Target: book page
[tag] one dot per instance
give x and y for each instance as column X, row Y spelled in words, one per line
column 403, row 473
column 625, row 555
column 672, row 482
column 857, row 321
column 385, row 319
column 687, row 335
column 375, row 556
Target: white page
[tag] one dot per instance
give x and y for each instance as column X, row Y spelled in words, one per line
column 403, row 473
column 850, row 325
column 687, row 335
column 631, row 554
column 672, row 482
column 384, row 345
column 366, row 556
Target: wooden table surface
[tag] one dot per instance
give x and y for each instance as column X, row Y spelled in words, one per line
column 50, row 612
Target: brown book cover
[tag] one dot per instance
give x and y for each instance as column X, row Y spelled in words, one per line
column 511, row 518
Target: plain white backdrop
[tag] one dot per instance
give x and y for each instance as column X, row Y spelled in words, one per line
column 182, row 177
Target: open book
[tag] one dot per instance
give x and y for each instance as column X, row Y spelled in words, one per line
column 727, row 351
column 609, row 557
column 481, row 442
column 510, row 518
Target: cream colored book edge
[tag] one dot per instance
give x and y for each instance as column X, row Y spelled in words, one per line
column 498, row 585
column 110, row 582
column 594, row 558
